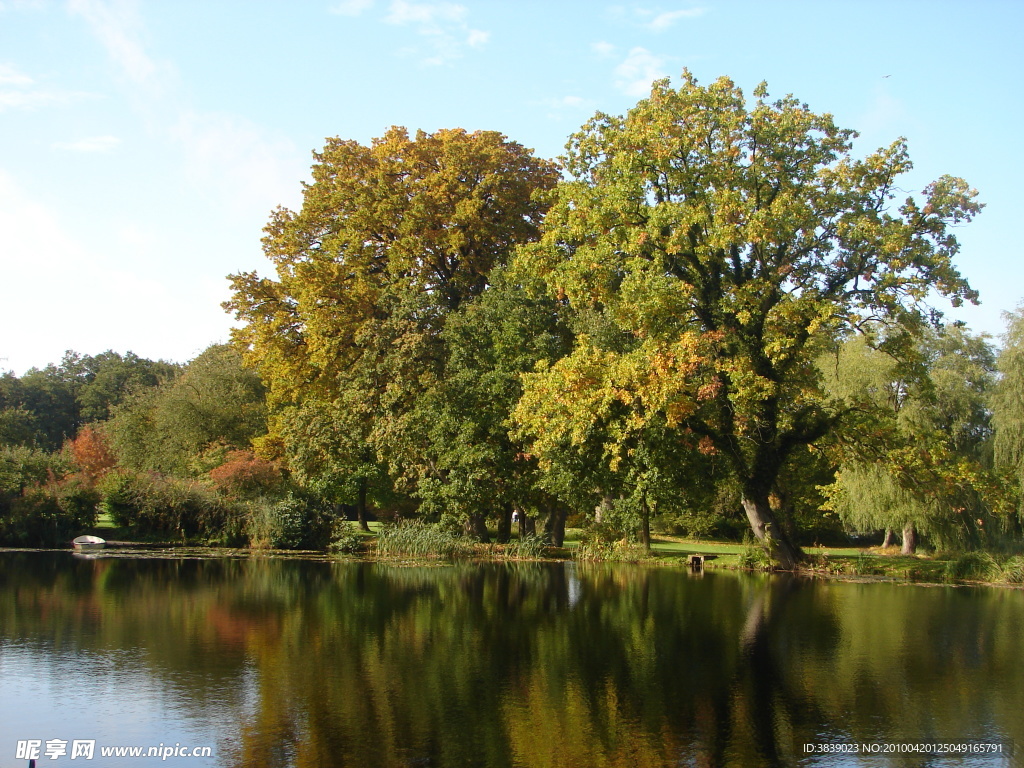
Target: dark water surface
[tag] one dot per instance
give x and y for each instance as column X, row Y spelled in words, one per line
column 299, row 663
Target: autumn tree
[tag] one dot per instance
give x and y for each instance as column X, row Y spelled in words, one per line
column 729, row 244
column 391, row 240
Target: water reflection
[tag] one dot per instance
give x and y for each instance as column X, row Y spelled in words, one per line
column 291, row 663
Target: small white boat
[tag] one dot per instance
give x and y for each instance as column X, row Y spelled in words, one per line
column 87, row 543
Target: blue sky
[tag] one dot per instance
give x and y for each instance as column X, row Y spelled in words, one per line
column 143, row 144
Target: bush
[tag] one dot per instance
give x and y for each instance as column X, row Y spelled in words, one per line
column 413, row 538
column 292, row 523
column 620, row 551
column 345, row 540
column 151, row 503
column 756, row 556
column 49, row 516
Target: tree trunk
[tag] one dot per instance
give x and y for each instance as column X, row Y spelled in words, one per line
column 505, row 523
column 909, row 540
column 890, row 538
column 361, row 505
column 645, row 523
column 476, row 526
column 527, row 525
column 554, row 525
column 763, row 523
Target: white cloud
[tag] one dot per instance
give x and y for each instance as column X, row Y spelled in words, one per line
column 351, row 7
column 20, row 91
column 603, row 49
column 426, row 15
column 118, row 27
column 89, row 144
column 234, row 159
column 654, row 20
column 637, row 71
column 10, row 76
column 477, row 38
column 444, row 24
column 665, row 20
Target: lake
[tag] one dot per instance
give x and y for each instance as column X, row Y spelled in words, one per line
column 287, row 662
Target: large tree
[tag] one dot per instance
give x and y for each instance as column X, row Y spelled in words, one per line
column 729, row 243
column 391, row 240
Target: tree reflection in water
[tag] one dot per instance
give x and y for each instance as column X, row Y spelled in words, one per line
column 534, row 664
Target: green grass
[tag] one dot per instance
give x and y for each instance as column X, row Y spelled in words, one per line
column 842, row 562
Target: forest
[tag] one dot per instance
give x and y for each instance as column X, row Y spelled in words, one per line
column 708, row 318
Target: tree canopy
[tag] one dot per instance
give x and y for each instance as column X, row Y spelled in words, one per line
column 391, row 240
column 728, row 245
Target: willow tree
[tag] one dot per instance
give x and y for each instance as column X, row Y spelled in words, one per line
column 731, row 242
column 390, row 241
column 1008, row 406
column 927, row 465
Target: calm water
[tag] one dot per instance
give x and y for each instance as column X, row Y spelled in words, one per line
column 298, row 663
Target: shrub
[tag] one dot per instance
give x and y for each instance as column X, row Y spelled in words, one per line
column 755, row 556
column 49, row 516
column 292, row 523
column 620, row 551
column 345, row 540
column 151, row 503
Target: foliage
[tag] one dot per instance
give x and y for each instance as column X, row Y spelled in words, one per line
column 45, row 407
column 757, row 555
column 621, row 551
column 49, row 515
column 91, row 453
column 155, row 504
column 214, row 403
column 244, row 474
column 1013, row 570
column 923, row 464
column 22, row 467
column 392, row 240
column 295, row 522
column 727, row 245
column 1008, row 406
column 414, row 538
column 345, row 540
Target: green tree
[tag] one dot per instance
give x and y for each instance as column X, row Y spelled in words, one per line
column 729, row 245
column 391, row 240
column 109, row 378
column 187, row 425
column 1008, row 405
column 924, row 466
